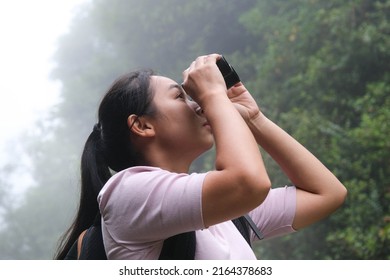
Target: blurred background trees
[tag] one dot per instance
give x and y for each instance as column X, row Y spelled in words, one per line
column 320, row 69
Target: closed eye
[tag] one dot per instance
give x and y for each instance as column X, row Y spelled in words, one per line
column 180, row 92
column 181, row 95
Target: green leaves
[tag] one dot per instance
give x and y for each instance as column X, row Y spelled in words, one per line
column 325, row 78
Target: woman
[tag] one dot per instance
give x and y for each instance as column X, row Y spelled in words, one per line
column 149, row 132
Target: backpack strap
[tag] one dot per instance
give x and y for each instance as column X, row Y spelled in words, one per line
column 72, row 253
column 92, row 246
column 179, row 247
column 242, row 227
column 253, row 226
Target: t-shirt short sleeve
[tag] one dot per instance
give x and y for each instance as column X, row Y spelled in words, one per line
column 274, row 217
column 143, row 204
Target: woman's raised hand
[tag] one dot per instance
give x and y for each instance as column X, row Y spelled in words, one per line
column 203, row 78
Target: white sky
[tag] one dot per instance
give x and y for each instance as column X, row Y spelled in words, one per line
column 28, row 37
column 29, row 30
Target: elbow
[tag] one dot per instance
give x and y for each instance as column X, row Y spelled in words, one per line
column 338, row 197
column 342, row 195
column 264, row 186
column 262, row 190
column 257, row 186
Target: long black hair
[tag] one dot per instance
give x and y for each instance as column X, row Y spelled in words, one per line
column 108, row 147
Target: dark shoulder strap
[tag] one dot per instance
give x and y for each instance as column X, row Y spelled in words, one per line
column 243, row 224
column 92, row 246
column 253, row 226
column 179, row 247
column 72, row 253
column 242, row 227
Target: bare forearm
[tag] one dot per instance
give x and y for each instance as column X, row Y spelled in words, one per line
column 235, row 145
column 319, row 192
column 301, row 166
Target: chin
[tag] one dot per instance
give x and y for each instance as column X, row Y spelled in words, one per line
column 207, row 147
column 209, row 144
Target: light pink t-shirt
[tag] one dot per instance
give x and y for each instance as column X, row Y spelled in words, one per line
column 142, row 206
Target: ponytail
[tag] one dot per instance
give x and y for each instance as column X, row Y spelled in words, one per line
column 94, row 174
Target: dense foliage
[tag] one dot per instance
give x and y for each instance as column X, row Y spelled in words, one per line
column 318, row 68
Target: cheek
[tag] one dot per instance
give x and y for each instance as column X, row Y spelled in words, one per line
column 179, row 120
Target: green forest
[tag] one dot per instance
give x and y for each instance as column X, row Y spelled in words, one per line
column 320, row 69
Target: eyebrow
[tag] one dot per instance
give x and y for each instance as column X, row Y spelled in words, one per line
column 180, row 88
column 175, row 86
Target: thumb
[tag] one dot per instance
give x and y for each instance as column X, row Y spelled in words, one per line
column 236, row 90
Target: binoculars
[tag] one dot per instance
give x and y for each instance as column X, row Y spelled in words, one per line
column 228, row 72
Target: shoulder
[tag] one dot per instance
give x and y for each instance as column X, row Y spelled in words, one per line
column 141, row 173
column 144, row 182
column 120, row 181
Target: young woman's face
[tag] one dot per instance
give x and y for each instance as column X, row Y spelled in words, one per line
column 180, row 125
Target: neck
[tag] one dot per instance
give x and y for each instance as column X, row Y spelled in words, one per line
column 170, row 161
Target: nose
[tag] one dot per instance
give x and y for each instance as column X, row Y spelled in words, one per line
column 198, row 110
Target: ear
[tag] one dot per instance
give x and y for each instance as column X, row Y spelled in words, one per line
column 140, row 126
